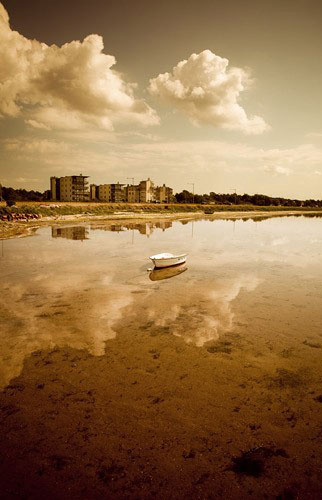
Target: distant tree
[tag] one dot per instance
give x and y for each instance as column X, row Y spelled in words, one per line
column 184, row 197
column 9, row 193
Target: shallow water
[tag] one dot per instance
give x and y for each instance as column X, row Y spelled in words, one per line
column 240, row 323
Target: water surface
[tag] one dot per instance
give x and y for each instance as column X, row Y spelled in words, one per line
column 228, row 347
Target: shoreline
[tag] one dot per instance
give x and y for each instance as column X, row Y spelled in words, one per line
column 21, row 229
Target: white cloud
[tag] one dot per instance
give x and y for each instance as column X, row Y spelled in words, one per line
column 24, row 180
column 68, row 87
column 212, row 165
column 277, row 170
column 35, row 146
column 35, row 124
column 210, row 154
column 207, row 91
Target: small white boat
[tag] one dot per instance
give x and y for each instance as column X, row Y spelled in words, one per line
column 168, row 259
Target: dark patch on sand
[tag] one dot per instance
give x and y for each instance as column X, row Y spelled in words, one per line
column 252, row 462
column 312, row 344
column 58, row 462
column 285, row 379
column 12, row 388
column 111, row 473
column 288, row 494
column 221, row 346
column 189, row 454
column 287, row 353
column 8, row 410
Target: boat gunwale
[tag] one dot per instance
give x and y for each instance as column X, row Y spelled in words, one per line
column 156, row 257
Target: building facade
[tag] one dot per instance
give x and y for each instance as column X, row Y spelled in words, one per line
column 146, row 191
column 76, row 188
column 93, row 192
column 133, row 194
column 105, row 192
column 69, row 188
column 111, row 193
column 118, row 193
column 163, row 194
column 55, row 188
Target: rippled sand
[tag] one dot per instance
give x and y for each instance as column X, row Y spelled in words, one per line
column 206, row 384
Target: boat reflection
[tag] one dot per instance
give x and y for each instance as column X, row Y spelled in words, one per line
column 167, row 272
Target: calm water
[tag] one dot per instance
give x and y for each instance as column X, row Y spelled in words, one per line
column 198, row 382
column 78, row 286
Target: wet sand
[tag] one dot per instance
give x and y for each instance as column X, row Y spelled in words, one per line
column 205, row 385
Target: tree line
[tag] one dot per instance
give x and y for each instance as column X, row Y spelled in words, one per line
column 244, row 199
column 11, row 194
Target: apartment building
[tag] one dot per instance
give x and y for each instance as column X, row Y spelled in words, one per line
column 146, row 189
column 105, row 192
column 133, row 194
column 112, row 193
column 163, row 194
column 69, row 188
column 75, row 188
column 55, row 188
column 93, row 192
column 118, row 193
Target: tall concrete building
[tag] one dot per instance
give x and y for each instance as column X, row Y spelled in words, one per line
column 163, row 194
column 55, row 188
column 69, row 188
column 146, row 191
column 93, row 192
column 104, row 192
column 133, row 193
column 112, row 193
column 118, row 193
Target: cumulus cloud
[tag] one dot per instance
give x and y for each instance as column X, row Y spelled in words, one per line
column 277, row 170
column 207, row 91
column 68, row 87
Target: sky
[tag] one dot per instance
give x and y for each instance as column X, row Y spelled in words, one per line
column 225, row 95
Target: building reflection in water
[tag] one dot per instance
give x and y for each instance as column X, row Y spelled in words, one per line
column 144, row 228
column 81, row 233
column 71, row 233
column 147, row 228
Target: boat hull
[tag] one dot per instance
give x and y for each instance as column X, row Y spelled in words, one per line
column 173, row 261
